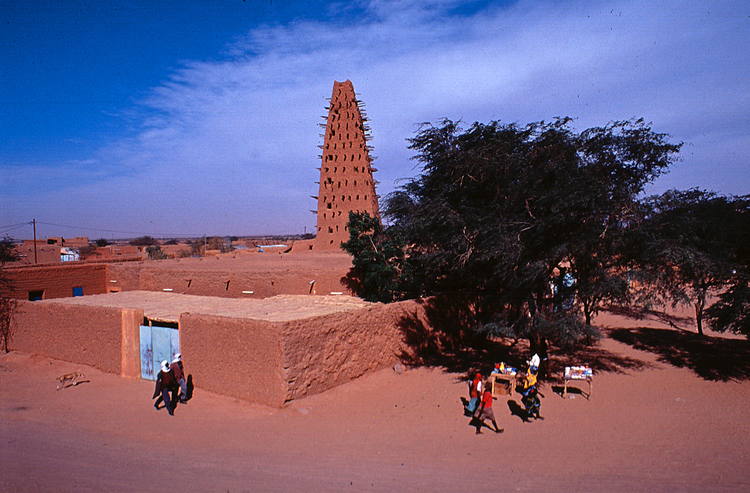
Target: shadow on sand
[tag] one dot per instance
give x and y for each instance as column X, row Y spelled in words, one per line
column 642, row 314
column 711, row 358
column 437, row 336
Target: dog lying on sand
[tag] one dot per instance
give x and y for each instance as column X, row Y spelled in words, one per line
column 71, row 380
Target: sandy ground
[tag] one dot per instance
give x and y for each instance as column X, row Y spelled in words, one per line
column 659, row 420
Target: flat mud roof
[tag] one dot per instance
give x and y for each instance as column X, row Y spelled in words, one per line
column 168, row 306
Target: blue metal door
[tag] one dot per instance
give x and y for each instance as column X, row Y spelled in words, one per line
column 157, row 344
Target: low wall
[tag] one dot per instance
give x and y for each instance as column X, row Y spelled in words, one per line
column 326, row 351
column 266, row 275
column 102, row 337
column 275, row 362
column 236, row 357
column 228, row 284
column 57, row 281
column 125, row 276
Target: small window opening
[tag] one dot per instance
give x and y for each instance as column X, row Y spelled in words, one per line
column 36, row 295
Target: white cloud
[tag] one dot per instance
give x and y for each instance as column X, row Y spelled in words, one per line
column 230, row 146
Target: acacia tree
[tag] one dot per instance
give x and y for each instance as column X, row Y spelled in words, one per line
column 8, row 251
column 498, row 207
column 695, row 244
column 8, row 303
column 377, row 265
column 8, row 307
column 144, row 241
column 731, row 312
column 155, row 253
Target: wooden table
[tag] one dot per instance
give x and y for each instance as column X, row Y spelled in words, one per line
column 576, row 377
column 502, row 383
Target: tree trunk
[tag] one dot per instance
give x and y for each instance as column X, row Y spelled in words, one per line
column 587, row 312
column 538, row 345
column 699, row 316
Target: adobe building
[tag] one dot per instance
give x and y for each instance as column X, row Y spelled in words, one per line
column 43, row 253
column 268, row 351
column 75, row 242
column 118, row 252
column 273, row 342
column 39, row 282
column 346, row 172
column 235, row 275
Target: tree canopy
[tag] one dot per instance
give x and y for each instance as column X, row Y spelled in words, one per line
column 499, row 209
column 695, row 244
column 8, row 251
column 144, row 241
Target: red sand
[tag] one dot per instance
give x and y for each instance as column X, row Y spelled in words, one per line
column 658, row 428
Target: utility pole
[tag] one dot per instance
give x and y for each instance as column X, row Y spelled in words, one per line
column 33, row 221
column 205, row 245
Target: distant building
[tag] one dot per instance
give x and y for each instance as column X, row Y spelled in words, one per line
column 69, row 255
column 45, row 254
column 117, row 252
column 346, row 172
column 75, row 242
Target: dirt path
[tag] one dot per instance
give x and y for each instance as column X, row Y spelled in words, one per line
column 659, row 428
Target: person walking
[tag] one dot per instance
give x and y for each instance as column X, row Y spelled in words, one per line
column 475, row 391
column 179, row 374
column 485, row 412
column 165, row 383
column 530, row 395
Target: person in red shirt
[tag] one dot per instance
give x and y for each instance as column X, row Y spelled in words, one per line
column 485, row 412
column 475, row 391
column 179, row 374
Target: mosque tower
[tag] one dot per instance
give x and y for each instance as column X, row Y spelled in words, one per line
column 346, row 181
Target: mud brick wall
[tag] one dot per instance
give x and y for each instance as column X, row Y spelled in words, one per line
column 102, row 337
column 236, row 357
column 225, row 283
column 58, row 281
column 326, row 351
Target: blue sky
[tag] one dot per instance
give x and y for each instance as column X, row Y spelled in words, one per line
column 188, row 117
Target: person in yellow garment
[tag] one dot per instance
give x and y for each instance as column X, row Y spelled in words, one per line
column 530, row 395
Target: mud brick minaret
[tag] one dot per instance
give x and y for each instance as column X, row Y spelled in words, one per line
column 346, row 181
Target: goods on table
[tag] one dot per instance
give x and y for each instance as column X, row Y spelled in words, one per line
column 578, row 373
column 501, row 369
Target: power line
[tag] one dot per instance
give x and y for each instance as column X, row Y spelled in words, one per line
column 14, row 225
column 118, row 231
column 6, row 229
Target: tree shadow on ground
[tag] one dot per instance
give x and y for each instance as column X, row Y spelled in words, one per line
column 711, row 358
column 640, row 313
column 437, row 335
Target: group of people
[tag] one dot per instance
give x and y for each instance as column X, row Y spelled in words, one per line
column 171, row 380
column 480, row 397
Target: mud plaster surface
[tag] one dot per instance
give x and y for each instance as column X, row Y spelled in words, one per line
column 168, row 306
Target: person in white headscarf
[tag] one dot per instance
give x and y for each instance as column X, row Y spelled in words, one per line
column 165, row 383
column 179, row 374
column 534, row 363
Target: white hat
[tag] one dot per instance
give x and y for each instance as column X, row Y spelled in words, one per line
column 177, row 357
column 165, row 365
